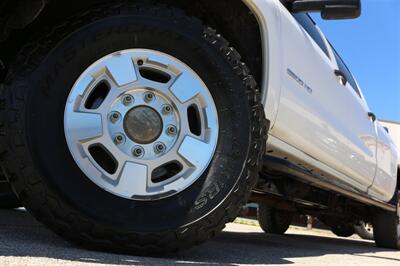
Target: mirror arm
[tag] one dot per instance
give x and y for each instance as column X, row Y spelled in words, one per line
column 307, row 6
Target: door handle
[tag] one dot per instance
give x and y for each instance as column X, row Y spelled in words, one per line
column 372, row 116
column 342, row 77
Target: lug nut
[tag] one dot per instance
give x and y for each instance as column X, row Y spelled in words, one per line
column 171, row 130
column 159, row 148
column 114, row 117
column 138, row 151
column 127, row 100
column 119, row 139
column 167, row 109
column 148, row 97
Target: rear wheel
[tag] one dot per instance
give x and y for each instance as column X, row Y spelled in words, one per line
column 133, row 129
column 387, row 227
column 274, row 221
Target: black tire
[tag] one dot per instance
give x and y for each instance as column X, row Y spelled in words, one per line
column 53, row 188
column 386, row 227
column 343, row 230
column 274, row 221
column 8, row 200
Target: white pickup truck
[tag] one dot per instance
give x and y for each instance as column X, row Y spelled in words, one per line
column 135, row 126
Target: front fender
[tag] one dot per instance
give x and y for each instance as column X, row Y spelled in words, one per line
column 268, row 14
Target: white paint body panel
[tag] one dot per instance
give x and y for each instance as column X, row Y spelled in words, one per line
column 385, row 181
column 394, row 131
column 329, row 129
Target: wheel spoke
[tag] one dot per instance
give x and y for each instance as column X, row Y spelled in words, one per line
column 110, row 98
column 133, row 180
column 82, row 126
column 186, row 87
column 79, row 89
column 195, row 151
column 143, row 82
column 122, row 69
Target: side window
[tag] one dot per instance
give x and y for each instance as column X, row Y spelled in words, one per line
column 346, row 72
column 309, row 26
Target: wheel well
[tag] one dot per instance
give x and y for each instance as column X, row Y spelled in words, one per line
column 232, row 19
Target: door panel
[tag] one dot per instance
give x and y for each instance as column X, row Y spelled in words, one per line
column 362, row 162
column 385, row 180
column 318, row 115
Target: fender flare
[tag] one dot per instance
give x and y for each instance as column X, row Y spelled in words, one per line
column 268, row 15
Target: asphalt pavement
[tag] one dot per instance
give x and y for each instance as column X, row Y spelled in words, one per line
column 23, row 241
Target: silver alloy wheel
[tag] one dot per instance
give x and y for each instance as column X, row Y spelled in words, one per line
column 141, row 124
column 364, row 230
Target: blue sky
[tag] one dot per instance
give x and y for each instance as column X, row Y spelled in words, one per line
column 370, row 46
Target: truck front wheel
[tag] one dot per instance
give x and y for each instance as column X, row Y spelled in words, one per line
column 132, row 128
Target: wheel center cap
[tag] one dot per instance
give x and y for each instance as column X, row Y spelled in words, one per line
column 143, row 124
